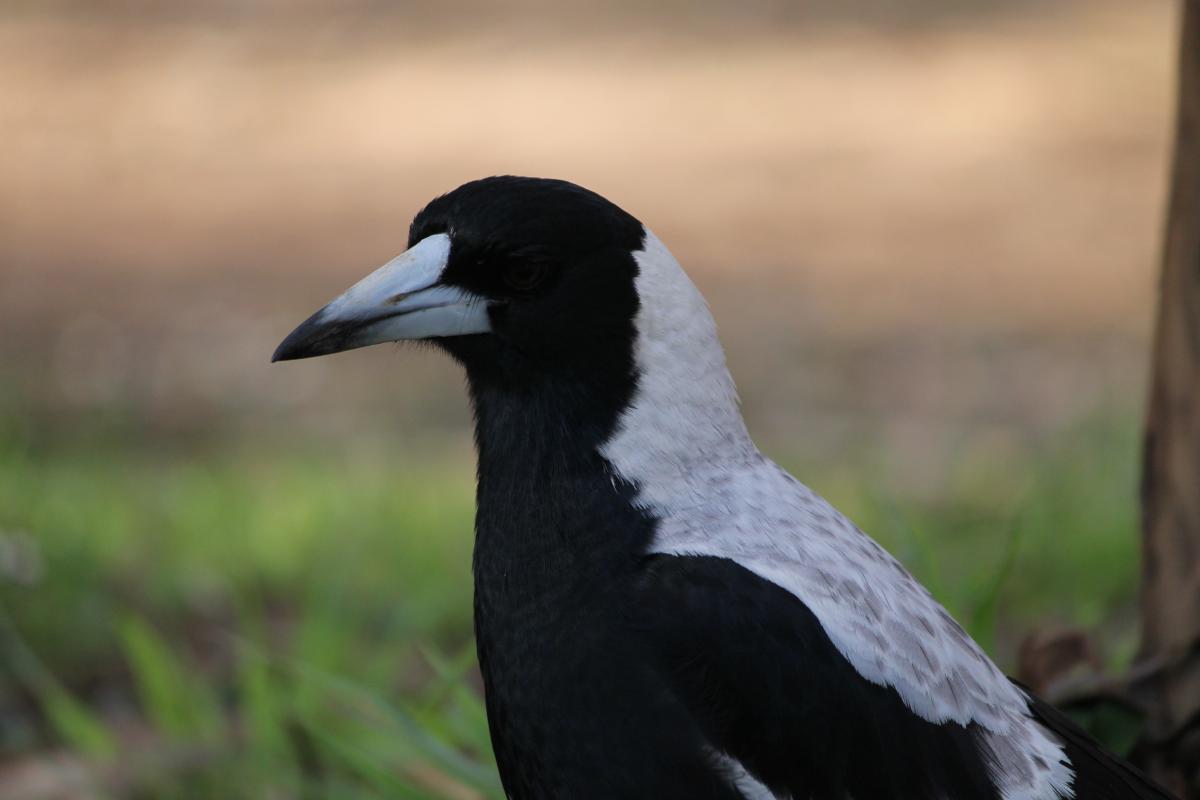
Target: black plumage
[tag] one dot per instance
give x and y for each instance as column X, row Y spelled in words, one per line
column 665, row 636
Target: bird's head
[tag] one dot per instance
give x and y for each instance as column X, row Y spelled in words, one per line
column 505, row 271
column 535, row 283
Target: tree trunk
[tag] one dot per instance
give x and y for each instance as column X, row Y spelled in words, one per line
column 1170, row 600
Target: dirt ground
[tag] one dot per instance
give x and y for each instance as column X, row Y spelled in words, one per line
column 933, row 227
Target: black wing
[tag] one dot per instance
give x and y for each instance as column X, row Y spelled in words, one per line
column 1099, row 775
column 769, row 689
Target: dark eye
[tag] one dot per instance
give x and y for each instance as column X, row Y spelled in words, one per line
column 524, row 275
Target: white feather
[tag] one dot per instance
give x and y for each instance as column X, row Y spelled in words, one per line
column 684, row 444
column 750, row 787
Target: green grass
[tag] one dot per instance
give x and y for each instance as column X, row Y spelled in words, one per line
column 266, row 621
column 227, row 602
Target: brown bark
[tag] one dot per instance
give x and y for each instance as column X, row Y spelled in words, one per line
column 1170, row 601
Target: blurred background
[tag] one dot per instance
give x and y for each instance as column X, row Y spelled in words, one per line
column 928, row 231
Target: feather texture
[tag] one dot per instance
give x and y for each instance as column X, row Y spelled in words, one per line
column 683, row 443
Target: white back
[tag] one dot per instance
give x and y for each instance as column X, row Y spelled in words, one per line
column 684, row 444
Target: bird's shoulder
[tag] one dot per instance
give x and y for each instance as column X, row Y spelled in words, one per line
column 876, row 615
column 787, row 713
column 875, row 612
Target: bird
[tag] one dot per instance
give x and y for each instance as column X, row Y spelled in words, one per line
column 660, row 610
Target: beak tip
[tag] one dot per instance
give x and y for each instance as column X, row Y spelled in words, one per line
column 287, row 350
column 303, row 342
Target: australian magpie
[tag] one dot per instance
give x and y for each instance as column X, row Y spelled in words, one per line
column 662, row 612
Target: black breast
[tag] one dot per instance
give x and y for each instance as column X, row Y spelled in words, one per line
column 574, row 705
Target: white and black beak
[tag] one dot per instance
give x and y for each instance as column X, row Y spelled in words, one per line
column 404, row 299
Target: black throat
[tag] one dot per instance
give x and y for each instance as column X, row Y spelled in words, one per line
column 559, row 543
column 553, row 520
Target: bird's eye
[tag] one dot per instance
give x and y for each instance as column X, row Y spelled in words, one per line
column 524, row 276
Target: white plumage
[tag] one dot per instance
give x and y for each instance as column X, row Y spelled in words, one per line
column 684, row 444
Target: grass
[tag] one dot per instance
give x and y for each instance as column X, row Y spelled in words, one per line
column 217, row 601
column 294, row 621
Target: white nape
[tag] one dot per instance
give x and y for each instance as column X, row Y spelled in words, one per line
column 683, row 443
